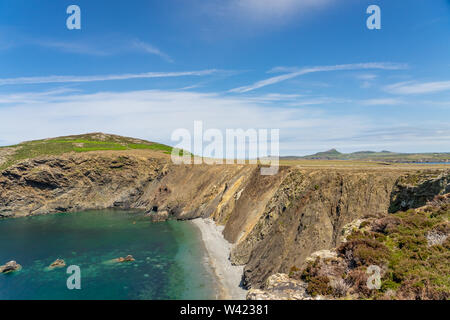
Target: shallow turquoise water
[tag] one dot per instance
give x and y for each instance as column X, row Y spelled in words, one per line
column 169, row 257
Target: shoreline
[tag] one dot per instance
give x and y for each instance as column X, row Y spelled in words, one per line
column 218, row 250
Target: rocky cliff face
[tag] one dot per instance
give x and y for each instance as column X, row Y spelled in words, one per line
column 407, row 251
column 274, row 222
column 75, row 182
column 307, row 214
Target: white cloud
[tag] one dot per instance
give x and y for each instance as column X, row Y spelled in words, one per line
column 249, row 16
column 318, row 101
column 411, row 87
column 69, row 46
column 154, row 114
column 104, row 45
column 342, row 67
column 68, row 79
column 367, row 76
column 270, row 9
column 271, row 97
column 382, row 102
column 367, row 80
column 282, row 69
column 34, row 97
column 148, row 48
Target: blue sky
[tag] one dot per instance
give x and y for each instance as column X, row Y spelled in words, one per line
column 310, row 68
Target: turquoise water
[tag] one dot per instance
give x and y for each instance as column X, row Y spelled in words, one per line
column 169, row 257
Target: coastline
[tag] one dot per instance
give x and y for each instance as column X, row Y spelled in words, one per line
column 218, row 249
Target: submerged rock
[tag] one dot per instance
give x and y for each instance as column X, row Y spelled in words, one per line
column 128, row 258
column 10, row 267
column 59, row 263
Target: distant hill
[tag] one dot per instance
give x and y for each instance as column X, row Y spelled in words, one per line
column 330, row 154
column 382, row 156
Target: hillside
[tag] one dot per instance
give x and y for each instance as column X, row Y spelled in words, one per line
column 76, row 143
column 382, row 156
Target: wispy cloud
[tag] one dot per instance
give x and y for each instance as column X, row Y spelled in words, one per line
column 35, row 97
column 127, row 76
column 366, row 79
column 315, row 101
column 148, row 48
column 154, row 114
column 411, row 87
column 69, row 46
column 104, row 45
column 342, row 67
column 249, row 17
column 269, row 11
column 272, row 97
column 382, row 102
column 283, row 69
column 367, row 76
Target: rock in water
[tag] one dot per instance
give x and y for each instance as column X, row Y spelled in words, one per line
column 10, row 267
column 128, row 258
column 59, row 263
column 158, row 216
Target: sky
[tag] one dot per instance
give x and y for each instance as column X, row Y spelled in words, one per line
column 310, row 68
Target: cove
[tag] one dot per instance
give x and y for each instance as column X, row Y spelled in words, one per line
column 169, row 257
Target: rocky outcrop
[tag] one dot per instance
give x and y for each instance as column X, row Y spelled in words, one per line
column 415, row 189
column 58, row 263
column 10, row 267
column 128, row 258
column 280, row 287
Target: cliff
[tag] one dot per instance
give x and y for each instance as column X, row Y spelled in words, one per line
column 274, row 222
column 400, row 256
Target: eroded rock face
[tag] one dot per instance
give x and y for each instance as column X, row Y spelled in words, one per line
column 415, row 189
column 10, row 267
column 307, row 214
column 75, row 182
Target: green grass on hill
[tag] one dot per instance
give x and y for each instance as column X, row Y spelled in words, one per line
column 79, row 143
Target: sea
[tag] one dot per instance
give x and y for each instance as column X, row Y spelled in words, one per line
column 170, row 258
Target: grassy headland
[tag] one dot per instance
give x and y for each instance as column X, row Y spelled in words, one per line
column 77, row 143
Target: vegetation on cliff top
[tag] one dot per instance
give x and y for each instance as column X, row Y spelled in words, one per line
column 76, row 143
column 412, row 249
